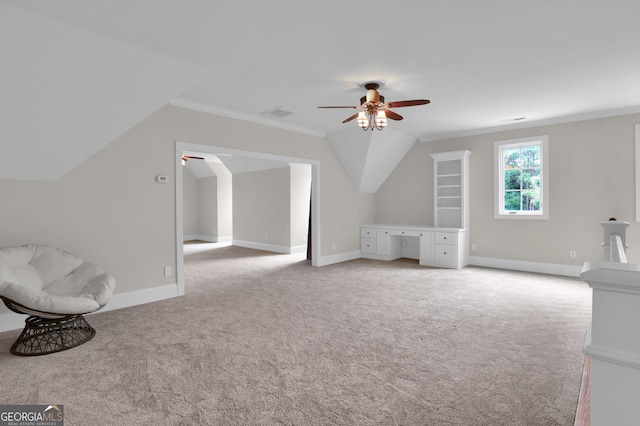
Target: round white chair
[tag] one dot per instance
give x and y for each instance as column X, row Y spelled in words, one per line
column 55, row 288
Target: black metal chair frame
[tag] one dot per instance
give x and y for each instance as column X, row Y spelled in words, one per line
column 46, row 332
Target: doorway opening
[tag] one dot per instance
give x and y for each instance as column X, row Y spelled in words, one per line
column 314, row 217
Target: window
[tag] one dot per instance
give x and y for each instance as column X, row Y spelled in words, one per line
column 521, row 177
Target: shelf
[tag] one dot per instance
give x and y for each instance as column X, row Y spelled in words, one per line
column 451, row 189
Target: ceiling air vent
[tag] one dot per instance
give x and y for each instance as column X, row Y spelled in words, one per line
column 278, row 112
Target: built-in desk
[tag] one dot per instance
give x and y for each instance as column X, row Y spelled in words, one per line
column 440, row 247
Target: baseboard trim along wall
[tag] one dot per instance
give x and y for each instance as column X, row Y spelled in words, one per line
column 13, row 321
column 207, row 238
column 140, row 297
column 526, row 266
column 340, row 257
column 270, row 247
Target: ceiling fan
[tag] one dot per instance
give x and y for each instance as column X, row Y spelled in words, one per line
column 190, row 157
column 373, row 111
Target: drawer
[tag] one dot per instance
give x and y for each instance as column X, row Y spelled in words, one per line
column 446, row 238
column 445, row 253
column 405, row 233
column 368, row 245
column 368, row 232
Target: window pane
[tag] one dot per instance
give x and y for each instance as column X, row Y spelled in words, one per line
column 531, row 178
column 511, row 179
column 531, row 199
column 512, row 200
column 511, row 158
column 520, row 183
column 531, row 156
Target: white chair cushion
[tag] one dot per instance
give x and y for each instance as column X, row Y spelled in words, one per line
column 42, row 301
column 74, row 283
column 46, row 279
column 52, row 263
column 28, row 277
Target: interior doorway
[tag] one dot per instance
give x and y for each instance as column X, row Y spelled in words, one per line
column 216, row 150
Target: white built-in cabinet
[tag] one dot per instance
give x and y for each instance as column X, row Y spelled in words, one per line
column 441, row 247
column 446, row 244
column 451, row 189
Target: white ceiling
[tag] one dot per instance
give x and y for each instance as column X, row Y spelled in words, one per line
column 102, row 66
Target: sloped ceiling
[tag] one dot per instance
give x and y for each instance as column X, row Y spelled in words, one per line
column 77, row 73
column 370, row 157
column 67, row 92
column 233, row 163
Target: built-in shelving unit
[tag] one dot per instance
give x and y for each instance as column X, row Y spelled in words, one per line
column 451, row 189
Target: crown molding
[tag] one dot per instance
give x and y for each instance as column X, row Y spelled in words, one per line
column 196, row 106
column 536, row 123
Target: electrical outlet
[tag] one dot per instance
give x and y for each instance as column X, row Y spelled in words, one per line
column 333, row 246
column 572, row 254
column 473, row 247
column 404, row 243
column 167, row 271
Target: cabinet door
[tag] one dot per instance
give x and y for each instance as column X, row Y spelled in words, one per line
column 382, row 237
column 426, row 245
column 368, row 245
column 446, row 238
column 446, row 253
column 367, row 232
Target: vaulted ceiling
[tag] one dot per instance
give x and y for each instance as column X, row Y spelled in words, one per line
column 77, row 74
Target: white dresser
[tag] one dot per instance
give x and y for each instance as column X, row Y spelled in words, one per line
column 440, row 247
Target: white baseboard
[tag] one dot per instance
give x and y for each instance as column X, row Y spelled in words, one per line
column 299, row 249
column 523, row 265
column 265, row 247
column 340, row 257
column 14, row 321
column 207, row 238
column 140, row 297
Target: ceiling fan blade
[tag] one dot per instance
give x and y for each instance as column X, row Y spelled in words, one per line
column 414, row 102
column 191, row 157
column 339, row 106
column 351, row 118
column 392, row 115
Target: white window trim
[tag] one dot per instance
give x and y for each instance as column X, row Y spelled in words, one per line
column 498, row 180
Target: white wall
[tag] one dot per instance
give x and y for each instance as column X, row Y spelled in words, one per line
column 110, row 209
column 191, row 201
column 224, row 210
column 208, row 206
column 591, row 179
column 300, row 198
column 262, row 207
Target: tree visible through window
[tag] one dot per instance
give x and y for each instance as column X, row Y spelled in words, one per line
column 520, row 177
column 521, row 167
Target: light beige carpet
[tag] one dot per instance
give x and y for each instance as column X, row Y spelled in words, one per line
column 266, row 339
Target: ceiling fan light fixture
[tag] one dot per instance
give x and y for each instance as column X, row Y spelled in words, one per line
column 374, row 111
column 363, row 120
column 381, row 120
